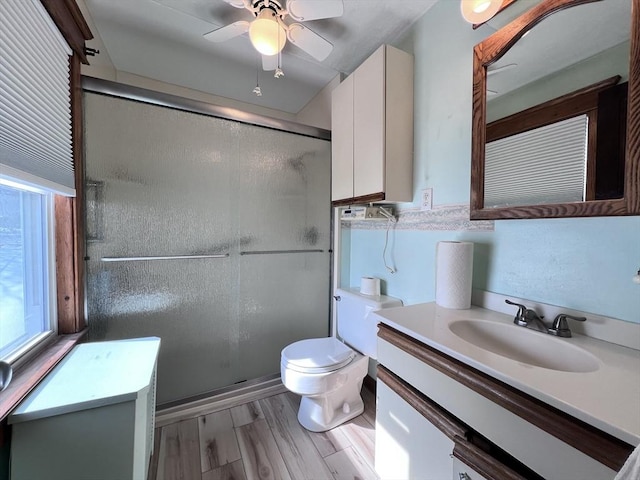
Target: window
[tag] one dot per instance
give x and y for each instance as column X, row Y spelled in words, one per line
column 41, row 47
column 547, row 164
column 27, row 268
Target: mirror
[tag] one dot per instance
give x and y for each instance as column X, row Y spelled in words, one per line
column 547, row 109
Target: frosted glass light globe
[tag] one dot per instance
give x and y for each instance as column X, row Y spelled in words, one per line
column 266, row 34
column 479, row 11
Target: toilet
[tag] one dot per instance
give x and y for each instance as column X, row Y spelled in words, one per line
column 328, row 373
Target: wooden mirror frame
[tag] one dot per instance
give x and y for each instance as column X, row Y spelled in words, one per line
column 494, row 47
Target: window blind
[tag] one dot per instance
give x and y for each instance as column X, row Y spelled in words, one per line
column 35, row 106
column 543, row 165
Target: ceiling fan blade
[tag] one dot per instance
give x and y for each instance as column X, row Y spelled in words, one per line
column 236, row 3
column 309, row 41
column 226, row 33
column 269, row 62
column 304, row 10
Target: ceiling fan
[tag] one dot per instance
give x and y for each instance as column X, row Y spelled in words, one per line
column 268, row 32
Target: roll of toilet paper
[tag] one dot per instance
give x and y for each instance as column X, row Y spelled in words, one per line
column 370, row 286
column 454, row 271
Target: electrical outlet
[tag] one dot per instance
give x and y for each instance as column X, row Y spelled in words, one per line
column 427, row 199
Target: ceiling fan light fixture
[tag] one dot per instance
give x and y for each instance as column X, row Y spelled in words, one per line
column 479, row 11
column 267, row 35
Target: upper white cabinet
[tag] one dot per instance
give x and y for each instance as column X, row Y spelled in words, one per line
column 372, row 131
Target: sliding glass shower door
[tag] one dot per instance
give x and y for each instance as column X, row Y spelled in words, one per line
column 211, row 234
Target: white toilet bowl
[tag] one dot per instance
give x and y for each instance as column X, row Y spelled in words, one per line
column 328, row 375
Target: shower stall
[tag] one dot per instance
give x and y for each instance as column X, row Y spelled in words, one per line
column 210, row 233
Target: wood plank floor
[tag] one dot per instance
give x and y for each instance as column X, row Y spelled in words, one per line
column 262, row 440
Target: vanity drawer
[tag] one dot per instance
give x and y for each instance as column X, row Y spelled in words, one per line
column 510, row 419
column 416, row 438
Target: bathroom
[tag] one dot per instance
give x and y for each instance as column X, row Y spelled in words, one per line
column 584, row 264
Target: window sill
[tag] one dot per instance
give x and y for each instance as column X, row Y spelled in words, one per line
column 29, row 375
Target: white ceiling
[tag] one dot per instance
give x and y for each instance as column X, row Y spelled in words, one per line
column 162, row 39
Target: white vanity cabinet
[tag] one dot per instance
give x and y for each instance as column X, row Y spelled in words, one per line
column 417, row 438
column 535, row 438
column 92, row 417
column 372, row 131
column 407, row 444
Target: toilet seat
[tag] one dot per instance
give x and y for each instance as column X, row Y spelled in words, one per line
column 316, row 355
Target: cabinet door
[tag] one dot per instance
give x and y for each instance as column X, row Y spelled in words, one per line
column 342, row 140
column 408, row 446
column 369, row 125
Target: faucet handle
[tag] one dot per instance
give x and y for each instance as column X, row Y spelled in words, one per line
column 560, row 326
column 521, row 316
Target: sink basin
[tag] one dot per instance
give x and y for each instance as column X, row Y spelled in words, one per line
column 525, row 345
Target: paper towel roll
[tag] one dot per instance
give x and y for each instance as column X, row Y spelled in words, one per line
column 454, row 271
column 370, row 286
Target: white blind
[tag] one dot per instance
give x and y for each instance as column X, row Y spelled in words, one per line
column 35, row 106
column 543, row 165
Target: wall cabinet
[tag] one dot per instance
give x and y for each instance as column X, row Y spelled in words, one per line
column 512, row 429
column 372, row 131
column 92, row 417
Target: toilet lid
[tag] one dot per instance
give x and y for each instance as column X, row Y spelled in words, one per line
column 317, row 355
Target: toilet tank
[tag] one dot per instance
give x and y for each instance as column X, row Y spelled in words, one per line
column 356, row 326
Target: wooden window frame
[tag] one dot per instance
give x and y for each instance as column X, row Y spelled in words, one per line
column 69, row 211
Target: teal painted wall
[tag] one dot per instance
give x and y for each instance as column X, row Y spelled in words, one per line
column 580, row 263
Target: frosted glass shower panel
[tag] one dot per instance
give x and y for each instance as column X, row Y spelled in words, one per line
column 181, row 209
column 180, row 301
column 283, row 298
column 165, row 177
column 284, row 191
column 165, row 181
column 283, row 289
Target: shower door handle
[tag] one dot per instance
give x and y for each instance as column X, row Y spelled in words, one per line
column 163, row 257
column 279, row 252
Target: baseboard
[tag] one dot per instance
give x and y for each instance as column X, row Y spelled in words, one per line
column 220, row 400
column 229, row 397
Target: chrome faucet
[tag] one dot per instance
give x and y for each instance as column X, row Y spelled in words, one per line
column 527, row 317
column 560, row 328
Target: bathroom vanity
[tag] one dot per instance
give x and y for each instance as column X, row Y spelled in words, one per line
column 467, row 392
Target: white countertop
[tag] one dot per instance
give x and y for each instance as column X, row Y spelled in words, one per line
column 608, row 398
column 92, row 375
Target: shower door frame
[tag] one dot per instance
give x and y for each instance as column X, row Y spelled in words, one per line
column 129, row 92
column 137, row 94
